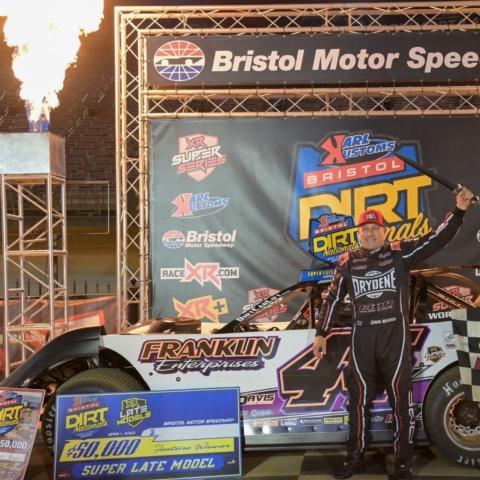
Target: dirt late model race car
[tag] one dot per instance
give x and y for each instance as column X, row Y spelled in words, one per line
column 289, row 398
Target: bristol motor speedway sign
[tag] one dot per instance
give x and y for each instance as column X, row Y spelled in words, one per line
column 297, row 59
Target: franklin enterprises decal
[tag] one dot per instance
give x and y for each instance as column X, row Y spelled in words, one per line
column 194, row 205
column 207, row 355
column 174, row 239
column 198, row 156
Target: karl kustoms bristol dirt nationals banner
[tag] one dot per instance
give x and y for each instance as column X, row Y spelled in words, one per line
column 231, row 199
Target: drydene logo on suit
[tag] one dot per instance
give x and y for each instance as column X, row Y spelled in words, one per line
column 374, row 284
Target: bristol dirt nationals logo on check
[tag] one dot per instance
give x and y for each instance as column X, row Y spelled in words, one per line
column 194, row 205
column 10, row 409
column 86, row 416
column 179, row 60
column 198, row 156
column 349, row 172
column 207, row 355
column 201, row 272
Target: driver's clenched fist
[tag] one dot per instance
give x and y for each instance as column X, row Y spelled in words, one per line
column 319, row 346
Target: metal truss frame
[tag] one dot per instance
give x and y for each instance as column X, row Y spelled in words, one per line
column 137, row 102
column 34, row 214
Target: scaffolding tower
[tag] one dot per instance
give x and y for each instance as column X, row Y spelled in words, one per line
column 34, row 251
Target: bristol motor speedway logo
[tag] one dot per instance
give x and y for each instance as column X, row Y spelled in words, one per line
column 179, row 60
column 174, row 239
column 348, row 172
column 198, row 156
column 194, row 205
column 202, row 272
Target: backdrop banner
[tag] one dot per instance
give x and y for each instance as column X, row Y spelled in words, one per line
column 349, row 58
column 231, row 199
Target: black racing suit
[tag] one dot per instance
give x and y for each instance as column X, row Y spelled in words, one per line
column 377, row 282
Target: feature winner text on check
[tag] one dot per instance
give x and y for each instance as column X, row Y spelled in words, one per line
column 202, row 454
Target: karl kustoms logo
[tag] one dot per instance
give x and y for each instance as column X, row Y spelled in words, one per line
column 198, row 156
column 194, row 205
column 349, row 172
column 179, row 60
column 207, row 355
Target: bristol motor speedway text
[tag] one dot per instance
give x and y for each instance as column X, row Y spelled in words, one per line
column 334, row 59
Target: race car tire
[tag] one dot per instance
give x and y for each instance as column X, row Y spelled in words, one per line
column 96, row 380
column 448, row 437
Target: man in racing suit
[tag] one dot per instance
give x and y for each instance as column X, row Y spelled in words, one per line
column 376, row 278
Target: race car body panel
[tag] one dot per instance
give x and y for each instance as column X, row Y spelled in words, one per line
column 81, row 342
column 287, row 395
column 289, row 398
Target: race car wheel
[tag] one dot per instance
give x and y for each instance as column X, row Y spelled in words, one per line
column 97, row 380
column 452, row 422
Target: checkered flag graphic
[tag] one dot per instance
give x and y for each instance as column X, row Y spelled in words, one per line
column 466, row 329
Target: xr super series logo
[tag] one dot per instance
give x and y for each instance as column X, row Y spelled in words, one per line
column 198, row 156
column 257, row 295
column 207, row 355
column 10, row 409
column 194, row 205
column 201, row 272
column 349, row 172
